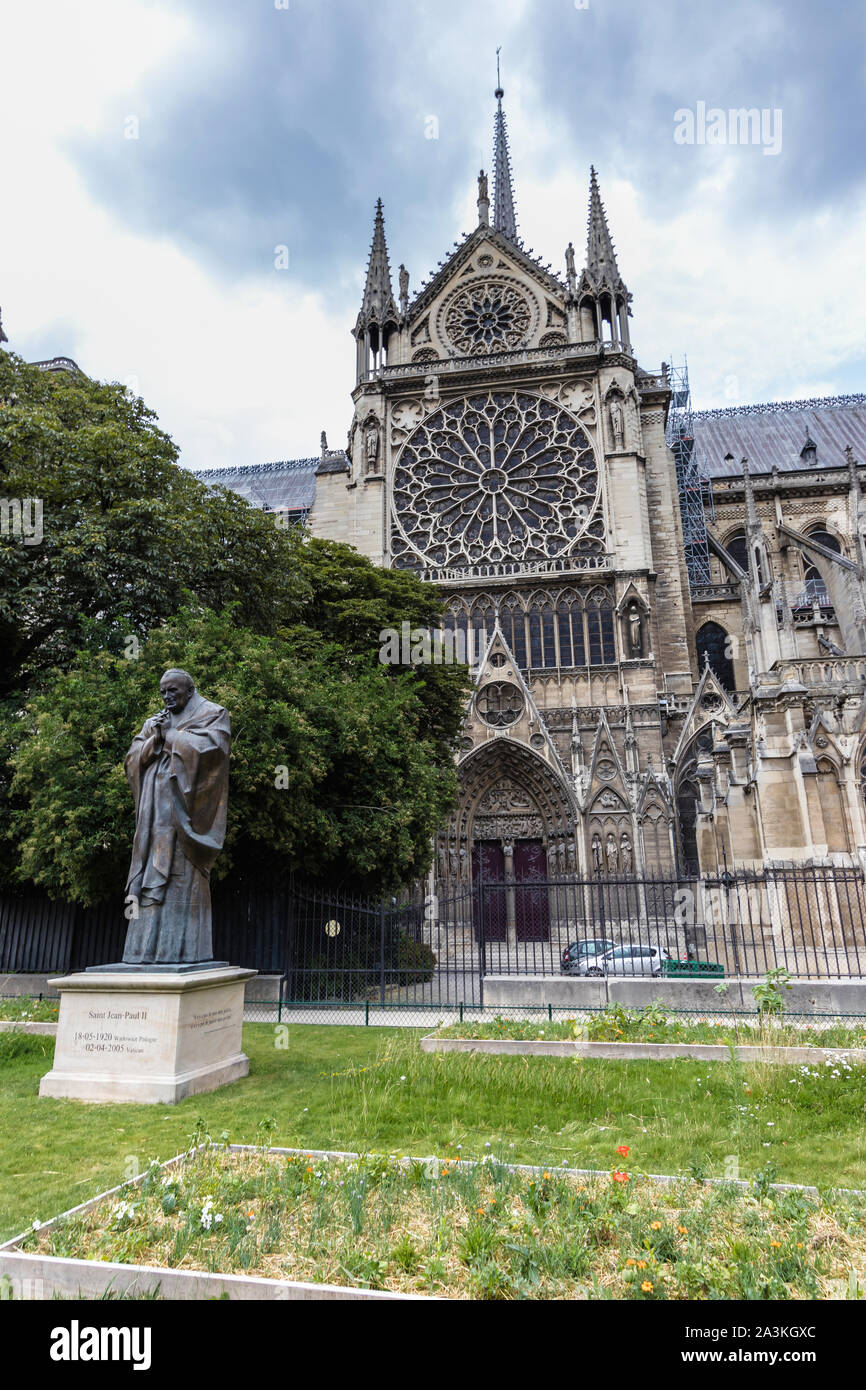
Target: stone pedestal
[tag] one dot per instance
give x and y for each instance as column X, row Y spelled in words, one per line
column 148, row 1036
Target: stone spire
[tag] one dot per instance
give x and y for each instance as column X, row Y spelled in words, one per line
column 600, row 255
column 503, row 188
column 3, row 338
column 378, row 305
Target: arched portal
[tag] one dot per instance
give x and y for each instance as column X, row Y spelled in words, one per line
column 514, row 825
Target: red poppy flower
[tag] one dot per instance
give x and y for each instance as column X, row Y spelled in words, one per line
column 620, row 1177
column 622, row 1150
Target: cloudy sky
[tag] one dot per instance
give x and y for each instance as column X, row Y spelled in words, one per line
column 154, row 155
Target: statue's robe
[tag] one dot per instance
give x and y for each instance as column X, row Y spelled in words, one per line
column 181, row 797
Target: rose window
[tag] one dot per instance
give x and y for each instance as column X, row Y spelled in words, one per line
column 499, row 703
column 489, row 317
column 495, row 477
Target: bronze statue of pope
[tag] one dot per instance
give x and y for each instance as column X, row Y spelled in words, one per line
column 178, row 770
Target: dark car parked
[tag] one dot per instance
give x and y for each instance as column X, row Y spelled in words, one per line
column 580, row 954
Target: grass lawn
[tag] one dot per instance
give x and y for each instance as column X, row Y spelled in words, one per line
column 367, row 1089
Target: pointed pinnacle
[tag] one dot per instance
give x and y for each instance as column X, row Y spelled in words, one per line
column 600, row 255
column 504, row 219
column 378, row 304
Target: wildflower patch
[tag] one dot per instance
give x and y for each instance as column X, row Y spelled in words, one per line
column 458, row 1229
column 650, row 1033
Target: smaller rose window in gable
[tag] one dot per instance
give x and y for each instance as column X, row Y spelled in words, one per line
column 488, row 317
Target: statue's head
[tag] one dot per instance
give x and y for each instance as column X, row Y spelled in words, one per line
column 176, row 689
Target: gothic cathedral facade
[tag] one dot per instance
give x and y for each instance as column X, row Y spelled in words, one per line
column 629, row 715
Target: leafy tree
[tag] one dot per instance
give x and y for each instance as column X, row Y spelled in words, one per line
column 367, row 783
column 126, row 531
column 280, row 628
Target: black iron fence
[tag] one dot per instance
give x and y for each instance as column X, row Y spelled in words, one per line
column 809, row 920
column 441, row 948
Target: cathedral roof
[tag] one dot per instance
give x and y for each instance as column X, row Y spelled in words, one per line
column 772, row 435
column 289, row 484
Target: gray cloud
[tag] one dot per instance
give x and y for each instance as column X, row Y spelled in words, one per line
column 278, row 126
column 284, row 126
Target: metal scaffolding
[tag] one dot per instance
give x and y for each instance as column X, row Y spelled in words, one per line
column 695, row 489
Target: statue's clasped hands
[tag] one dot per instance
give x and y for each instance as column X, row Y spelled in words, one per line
column 158, row 725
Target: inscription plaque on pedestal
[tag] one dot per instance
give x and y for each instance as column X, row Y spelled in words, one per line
column 146, row 1037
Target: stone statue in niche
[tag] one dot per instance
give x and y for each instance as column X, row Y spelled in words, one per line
column 634, row 623
column 611, row 853
column 178, row 772
column 597, row 853
column 617, row 424
column 625, row 853
column 371, row 446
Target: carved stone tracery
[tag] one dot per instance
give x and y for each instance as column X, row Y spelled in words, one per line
column 495, row 477
column 491, row 316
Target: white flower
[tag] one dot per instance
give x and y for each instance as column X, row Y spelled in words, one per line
column 402, row 1078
